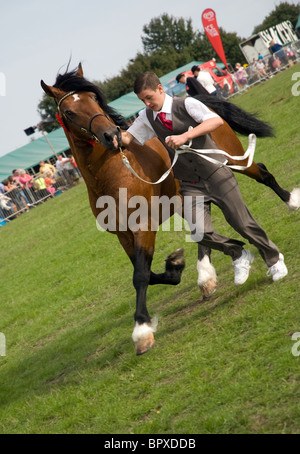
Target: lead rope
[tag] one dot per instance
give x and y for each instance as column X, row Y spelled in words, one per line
column 162, row 178
column 249, row 153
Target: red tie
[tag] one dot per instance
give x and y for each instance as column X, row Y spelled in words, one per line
column 165, row 122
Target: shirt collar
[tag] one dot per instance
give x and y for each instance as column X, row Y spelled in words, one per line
column 167, row 106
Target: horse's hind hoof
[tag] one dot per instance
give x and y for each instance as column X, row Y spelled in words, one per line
column 144, row 344
column 208, row 289
column 294, row 200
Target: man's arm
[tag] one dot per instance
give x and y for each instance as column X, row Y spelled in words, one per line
column 203, row 128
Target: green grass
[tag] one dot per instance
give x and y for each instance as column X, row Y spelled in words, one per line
column 223, row 366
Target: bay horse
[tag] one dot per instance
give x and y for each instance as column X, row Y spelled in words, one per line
column 92, row 129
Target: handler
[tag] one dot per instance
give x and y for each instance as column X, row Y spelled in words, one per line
column 169, row 119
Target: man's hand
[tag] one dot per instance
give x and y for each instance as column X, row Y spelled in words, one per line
column 176, row 141
column 127, row 138
column 206, row 127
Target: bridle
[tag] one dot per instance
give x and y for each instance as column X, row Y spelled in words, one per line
column 62, row 118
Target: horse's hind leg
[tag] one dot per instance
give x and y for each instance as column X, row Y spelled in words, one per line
column 292, row 199
column 207, row 278
column 261, row 174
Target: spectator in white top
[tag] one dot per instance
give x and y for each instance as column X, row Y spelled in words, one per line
column 64, row 168
column 207, row 82
column 260, row 66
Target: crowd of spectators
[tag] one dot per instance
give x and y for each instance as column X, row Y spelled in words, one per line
column 22, row 191
column 265, row 67
column 225, row 83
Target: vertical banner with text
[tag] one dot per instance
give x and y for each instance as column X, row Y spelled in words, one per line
column 211, row 28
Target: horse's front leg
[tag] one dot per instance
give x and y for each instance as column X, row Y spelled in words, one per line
column 144, row 326
column 140, row 248
column 174, row 265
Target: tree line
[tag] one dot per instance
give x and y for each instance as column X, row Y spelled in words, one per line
column 169, row 43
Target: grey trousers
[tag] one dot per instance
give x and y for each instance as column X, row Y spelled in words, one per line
column 222, row 189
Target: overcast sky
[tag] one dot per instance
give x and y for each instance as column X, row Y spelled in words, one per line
column 37, row 38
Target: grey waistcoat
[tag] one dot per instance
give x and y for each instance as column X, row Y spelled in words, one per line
column 189, row 167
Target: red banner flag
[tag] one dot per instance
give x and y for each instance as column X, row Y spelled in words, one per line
column 211, row 28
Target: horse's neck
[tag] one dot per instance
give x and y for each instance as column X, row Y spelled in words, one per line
column 88, row 159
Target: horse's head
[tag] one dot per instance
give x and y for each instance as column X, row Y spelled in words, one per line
column 83, row 111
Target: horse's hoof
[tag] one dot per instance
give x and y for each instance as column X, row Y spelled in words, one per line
column 294, row 201
column 176, row 258
column 208, row 288
column 144, row 344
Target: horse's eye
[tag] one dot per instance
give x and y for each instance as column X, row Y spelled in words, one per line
column 69, row 113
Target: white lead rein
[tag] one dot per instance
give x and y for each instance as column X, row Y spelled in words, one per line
column 249, row 153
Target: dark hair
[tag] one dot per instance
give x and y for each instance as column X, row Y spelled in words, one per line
column 195, row 68
column 146, row 81
column 179, row 76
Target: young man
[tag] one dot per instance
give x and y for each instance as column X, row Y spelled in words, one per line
column 169, row 119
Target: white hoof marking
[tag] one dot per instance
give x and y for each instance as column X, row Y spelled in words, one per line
column 144, row 329
column 206, row 271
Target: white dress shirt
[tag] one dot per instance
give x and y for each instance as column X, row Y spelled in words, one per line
column 142, row 130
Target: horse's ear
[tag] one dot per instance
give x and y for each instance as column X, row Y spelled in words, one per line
column 79, row 71
column 50, row 91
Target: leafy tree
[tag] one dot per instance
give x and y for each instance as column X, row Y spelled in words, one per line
column 165, row 31
column 284, row 11
column 47, row 109
column 165, row 52
column 160, row 62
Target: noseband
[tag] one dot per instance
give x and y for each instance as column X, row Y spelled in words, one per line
column 63, row 116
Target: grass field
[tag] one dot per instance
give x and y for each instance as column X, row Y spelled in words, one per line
column 221, row 366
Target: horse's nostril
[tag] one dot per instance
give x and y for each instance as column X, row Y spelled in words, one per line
column 107, row 137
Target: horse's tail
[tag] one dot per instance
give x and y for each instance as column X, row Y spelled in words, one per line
column 238, row 119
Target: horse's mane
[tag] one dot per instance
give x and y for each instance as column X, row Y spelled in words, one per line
column 69, row 81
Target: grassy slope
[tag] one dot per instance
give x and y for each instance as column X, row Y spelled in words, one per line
column 223, row 366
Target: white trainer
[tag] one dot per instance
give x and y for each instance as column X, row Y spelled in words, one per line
column 279, row 270
column 242, row 267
